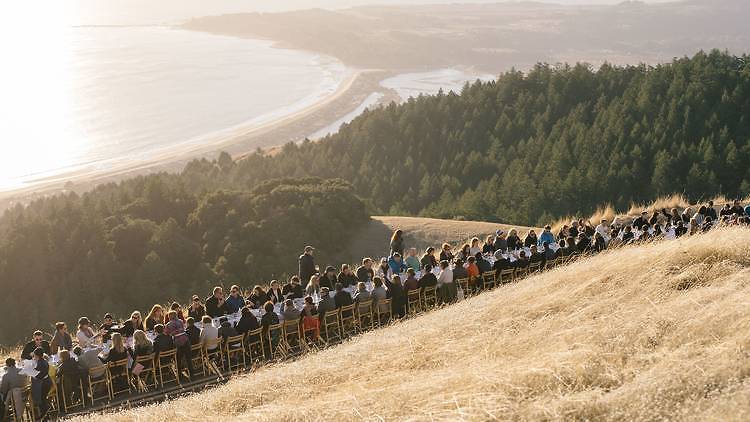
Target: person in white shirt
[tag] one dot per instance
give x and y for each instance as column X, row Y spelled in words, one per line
column 603, row 230
column 446, row 287
column 209, row 334
column 474, row 249
column 85, row 335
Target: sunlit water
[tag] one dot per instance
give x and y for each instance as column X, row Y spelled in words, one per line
column 101, row 96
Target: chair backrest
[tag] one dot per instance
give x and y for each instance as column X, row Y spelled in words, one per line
column 506, row 274
column 291, row 328
column 234, row 342
column 463, row 282
column 120, row 364
column 331, row 318
column 413, row 296
column 384, row 307
column 364, row 307
column 168, row 355
column 145, row 360
column 489, row 276
column 212, row 344
column 196, row 348
column 97, row 372
column 254, row 336
column 347, row 312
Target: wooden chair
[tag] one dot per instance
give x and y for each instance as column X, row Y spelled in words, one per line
column 119, row 379
column 535, row 267
column 348, row 320
column 331, row 327
column 384, row 312
column 276, row 343
column 293, row 337
column 166, row 364
column 413, row 302
column 73, row 396
column 488, row 279
column 521, row 272
column 197, row 360
column 213, row 358
column 429, row 297
column 552, row 263
column 365, row 315
column 506, row 276
column 463, row 283
column 146, row 380
column 30, row 412
column 98, row 382
column 234, row 351
column 254, row 345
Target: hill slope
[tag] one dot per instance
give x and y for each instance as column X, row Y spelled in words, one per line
column 649, row 332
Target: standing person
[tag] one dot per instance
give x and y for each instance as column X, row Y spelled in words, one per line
column 41, row 383
column 61, row 340
column 397, row 243
column 306, row 265
column 215, row 306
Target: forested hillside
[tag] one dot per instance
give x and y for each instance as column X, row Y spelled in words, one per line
column 529, row 147
column 148, row 240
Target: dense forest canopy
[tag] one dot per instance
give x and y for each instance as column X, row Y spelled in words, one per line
column 524, row 149
column 148, row 240
column 527, row 148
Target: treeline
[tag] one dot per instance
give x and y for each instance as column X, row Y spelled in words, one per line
column 150, row 239
column 527, row 148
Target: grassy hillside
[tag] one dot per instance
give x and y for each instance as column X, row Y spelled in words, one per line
column 642, row 333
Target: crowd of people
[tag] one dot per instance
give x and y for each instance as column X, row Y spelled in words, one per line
column 318, row 292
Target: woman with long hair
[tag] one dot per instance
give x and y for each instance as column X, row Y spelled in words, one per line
column 474, row 249
column 131, row 325
column 397, row 242
column 154, row 317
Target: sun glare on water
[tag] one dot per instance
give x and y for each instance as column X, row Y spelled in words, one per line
column 37, row 99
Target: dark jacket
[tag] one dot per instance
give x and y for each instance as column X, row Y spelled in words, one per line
column 28, row 349
column 398, row 299
column 129, row 327
column 226, row 330
column 365, row 274
column 327, row 282
column 197, row 314
column 427, row 280
column 162, row 343
column 247, row 323
column 460, row 272
column 213, row 309
column 428, row 259
column 514, row 242
column 446, row 256
column 275, row 295
column 342, row 298
column 293, row 291
column 257, row 300
column 194, row 334
column 347, row 280
column 306, row 268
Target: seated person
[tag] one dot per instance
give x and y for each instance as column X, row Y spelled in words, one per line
column 106, row 328
column 328, row 278
column 178, row 310
column 342, row 297
column 226, row 330
column 41, row 383
column 522, row 261
column 209, row 334
column 347, row 277
column 482, row 263
column 501, row 263
column 274, row 293
column 326, row 303
column 313, row 287
column 156, row 316
column 396, row 264
column 289, row 312
column 196, row 309
column 269, row 317
column 13, row 384
column 411, row 282
column 412, row 261
column 215, row 304
column 428, row 278
column 116, row 354
column 37, row 342
column 61, row 340
column 248, row 322
column 459, row 271
column 142, row 346
column 293, row 290
column 257, row 298
column 193, row 332
column 134, row 323
column 378, row 295
column 234, row 301
column 362, row 293
column 472, row 269
column 536, row 256
column 162, row 342
column 89, row 360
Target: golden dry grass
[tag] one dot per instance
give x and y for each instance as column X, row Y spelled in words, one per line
column 653, row 332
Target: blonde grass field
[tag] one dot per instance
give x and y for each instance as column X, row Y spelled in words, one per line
column 649, row 332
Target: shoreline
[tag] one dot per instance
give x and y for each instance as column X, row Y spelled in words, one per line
column 238, row 141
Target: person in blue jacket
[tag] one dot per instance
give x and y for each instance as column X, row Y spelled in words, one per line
column 546, row 236
column 396, row 264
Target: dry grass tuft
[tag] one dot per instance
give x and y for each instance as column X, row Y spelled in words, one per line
column 651, row 332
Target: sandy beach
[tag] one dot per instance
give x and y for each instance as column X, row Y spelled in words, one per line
column 237, row 141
